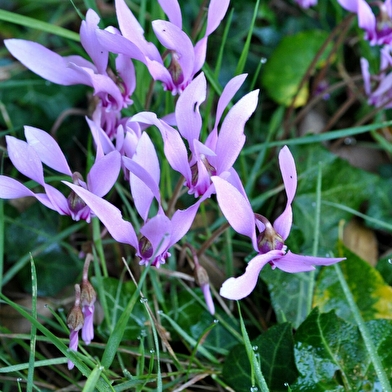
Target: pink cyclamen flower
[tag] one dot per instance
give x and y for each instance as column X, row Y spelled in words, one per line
column 269, row 243
column 185, row 59
column 306, row 3
column 158, row 233
column 378, row 29
column 113, row 91
column 75, row 322
column 216, row 156
column 28, row 158
column 381, row 96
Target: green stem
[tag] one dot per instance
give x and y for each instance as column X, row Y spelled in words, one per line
column 316, row 236
column 382, row 376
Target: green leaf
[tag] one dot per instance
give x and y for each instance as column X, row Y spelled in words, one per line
column 194, row 320
column 331, row 356
column 118, row 294
column 341, row 184
column 275, row 350
column 288, row 294
column 33, row 228
column 288, row 64
column 371, row 294
column 22, row 20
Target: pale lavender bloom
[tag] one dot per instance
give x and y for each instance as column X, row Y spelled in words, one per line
column 269, row 243
column 216, row 156
column 41, row 148
column 306, row 3
column 113, row 91
column 378, row 29
column 186, row 59
column 381, row 96
column 159, row 233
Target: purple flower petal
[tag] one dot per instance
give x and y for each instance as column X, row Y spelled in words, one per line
column 238, row 288
column 104, row 173
column 173, row 38
column 45, row 63
column 283, row 223
column 349, row 5
column 172, row 9
column 187, row 108
column 121, row 230
column 236, row 208
column 366, row 18
column 88, row 326
column 90, row 43
column 131, row 29
column 293, row 263
column 12, row 189
column 158, row 231
column 47, row 149
column 231, row 137
column 174, row 147
column 25, row 159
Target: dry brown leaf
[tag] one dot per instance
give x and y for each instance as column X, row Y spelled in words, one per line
column 361, row 240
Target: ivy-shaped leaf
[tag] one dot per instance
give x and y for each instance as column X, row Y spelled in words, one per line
column 117, row 295
column 275, row 350
column 331, row 355
column 372, row 295
column 289, row 293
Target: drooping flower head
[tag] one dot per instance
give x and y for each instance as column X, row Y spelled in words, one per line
column 113, row 90
column 378, row 29
column 41, row 148
column 216, row 156
column 185, row 59
column 269, row 243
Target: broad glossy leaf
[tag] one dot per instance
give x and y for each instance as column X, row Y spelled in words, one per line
column 331, row 355
column 117, row 295
column 35, row 228
column 195, row 320
column 288, row 64
column 275, row 350
column 341, row 184
column 372, row 295
column 289, row 293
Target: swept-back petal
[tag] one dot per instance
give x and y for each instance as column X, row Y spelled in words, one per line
column 236, row 208
column 349, row 5
column 187, row 108
column 25, row 159
column 45, row 63
column 174, row 147
column 366, row 18
column 216, row 12
column 172, row 9
column 12, row 189
column 111, row 217
column 131, row 29
column 174, row 39
column 47, row 149
column 90, row 43
column 104, row 173
column 231, row 137
column 289, row 173
column 231, row 88
column 116, row 43
column 241, row 287
column 292, row 263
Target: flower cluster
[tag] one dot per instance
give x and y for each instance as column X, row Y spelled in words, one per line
column 206, row 163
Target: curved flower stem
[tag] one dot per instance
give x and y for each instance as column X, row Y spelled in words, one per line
column 382, row 376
